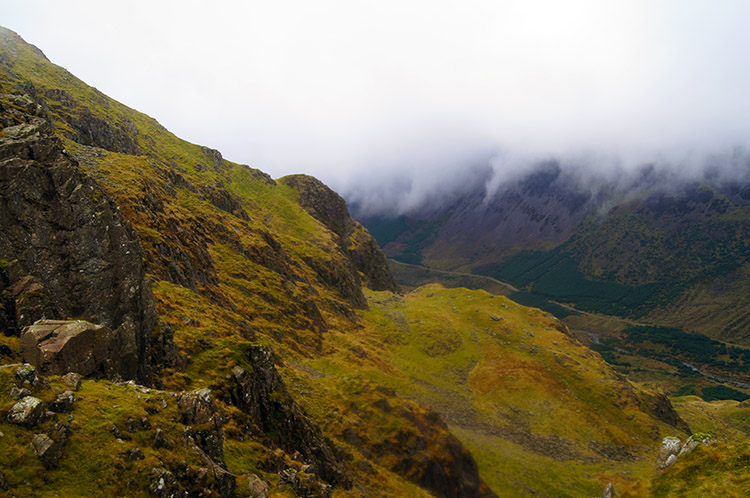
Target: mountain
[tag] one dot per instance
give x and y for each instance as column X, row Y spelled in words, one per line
column 649, row 246
column 175, row 324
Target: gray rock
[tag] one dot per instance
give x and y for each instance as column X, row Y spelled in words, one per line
column 138, row 425
column 258, row 487
column 28, row 412
column 161, row 441
column 63, row 403
column 73, row 380
column 44, row 447
column 134, row 454
column 26, row 373
column 163, row 484
column 60, row 346
column 609, row 491
column 670, row 446
column 17, row 393
column 671, row 459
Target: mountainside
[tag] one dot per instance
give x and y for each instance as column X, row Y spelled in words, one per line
column 650, row 246
column 198, row 328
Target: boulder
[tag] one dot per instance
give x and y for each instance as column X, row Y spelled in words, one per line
column 670, row 447
column 73, row 380
column 161, row 441
column 47, row 449
column 63, row 403
column 17, row 393
column 28, row 412
column 58, row 347
column 258, row 487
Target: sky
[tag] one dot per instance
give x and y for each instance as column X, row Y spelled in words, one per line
column 365, row 92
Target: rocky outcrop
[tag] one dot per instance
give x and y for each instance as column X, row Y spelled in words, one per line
column 423, row 451
column 355, row 242
column 69, row 251
column 262, row 394
column 57, row 347
column 205, row 437
column 658, row 405
column 672, row 448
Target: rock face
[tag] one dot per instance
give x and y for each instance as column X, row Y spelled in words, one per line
column 263, row 395
column 330, row 209
column 68, row 250
column 57, row 347
column 8, row 322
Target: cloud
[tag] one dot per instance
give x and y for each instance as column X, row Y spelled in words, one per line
column 413, row 92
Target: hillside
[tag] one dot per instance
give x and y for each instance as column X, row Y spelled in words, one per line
column 201, row 329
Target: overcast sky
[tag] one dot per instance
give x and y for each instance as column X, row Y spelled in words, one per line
column 364, row 89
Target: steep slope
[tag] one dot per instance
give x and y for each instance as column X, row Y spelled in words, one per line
column 235, row 260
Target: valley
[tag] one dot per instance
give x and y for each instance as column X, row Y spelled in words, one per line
column 200, row 329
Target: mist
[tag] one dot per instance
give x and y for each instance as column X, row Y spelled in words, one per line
column 400, row 103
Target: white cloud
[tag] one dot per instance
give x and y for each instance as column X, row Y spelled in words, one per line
column 338, row 88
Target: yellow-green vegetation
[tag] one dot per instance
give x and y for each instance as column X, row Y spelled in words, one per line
column 95, row 462
column 509, row 381
column 236, row 261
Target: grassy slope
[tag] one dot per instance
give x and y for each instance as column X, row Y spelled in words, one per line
column 542, row 414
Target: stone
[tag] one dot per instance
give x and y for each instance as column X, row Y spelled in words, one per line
column 134, row 454
column 119, row 435
column 671, row 459
column 161, row 441
column 258, row 487
column 138, row 424
column 58, row 347
column 197, row 407
column 27, row 412
column 47, row 449
column 670, row 447
column 689, row 446
column 72, row 379
column 26, row 374
column 263, row 395
column 163, row 484
column 609, row 491
column 200, row 412
column 17, row 393
column 63, row 403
